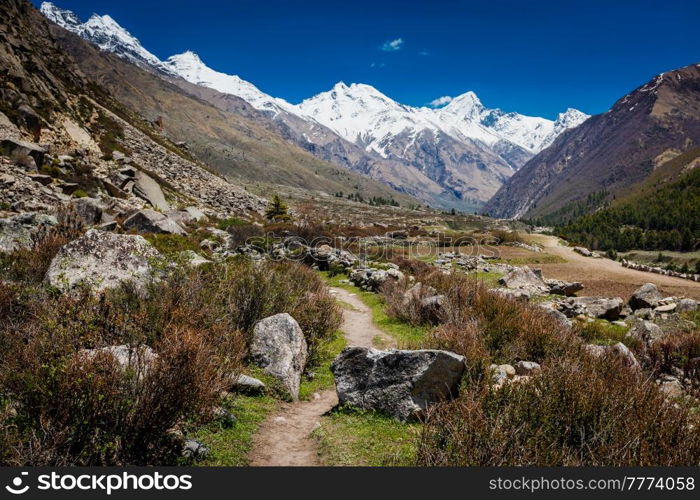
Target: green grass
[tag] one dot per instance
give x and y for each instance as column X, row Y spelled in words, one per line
column 323, row 378
column 361, row 438
column 604, row 333
column 230, row 447
column 490, row 279
column 406, row 336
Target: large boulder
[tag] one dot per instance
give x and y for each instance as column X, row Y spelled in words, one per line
column 18, row 231
column 146, row 188
column 18, row 149
column 646, row 296
column 102, row 260
column 523, row 278
column 279, row 348
column 400, row 383
column 600, row 307
column 150, row 221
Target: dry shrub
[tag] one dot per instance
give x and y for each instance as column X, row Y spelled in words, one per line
column 465, row 340
column 87, row 410
column 579, row 411
column 510, row 330
column 678, row 350
column 504, row 236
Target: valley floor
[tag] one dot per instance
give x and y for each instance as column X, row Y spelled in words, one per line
column 606, row 277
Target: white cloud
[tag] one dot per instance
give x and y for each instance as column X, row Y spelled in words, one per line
column 424, row 53
column 392, row 45
column 440, row 101
column 377, row 65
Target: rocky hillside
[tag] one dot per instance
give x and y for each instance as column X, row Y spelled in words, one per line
column 83, row 142
column 611, row 152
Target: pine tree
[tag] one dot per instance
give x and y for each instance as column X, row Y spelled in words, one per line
column 277, row 210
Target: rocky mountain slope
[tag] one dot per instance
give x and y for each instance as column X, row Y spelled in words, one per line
column 85, row 144
column 609, row 153
column 456, row 156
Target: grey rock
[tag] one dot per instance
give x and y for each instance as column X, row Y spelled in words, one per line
column 600, row 307
column 646, row 296
column 619, row 350
column 19, row 231
column 432, row 308
column 666, row 308
column 646, row 331
column 247, row 384
column 195, row 450
column 138, row 358
column 193, row 259
column 522, row 278
column 559, row 287
column 102, row 260
column 16, row 149
column 279, row 348
column 150, row 221
column 147, row 188
column 670, row 386
column 527, row 368
column 397, row 382
column 687, row 305
column 88, row 209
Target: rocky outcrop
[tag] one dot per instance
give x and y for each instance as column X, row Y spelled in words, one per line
column 279, row 348
column 646, row 331
column 103, row 260
column 400, row 383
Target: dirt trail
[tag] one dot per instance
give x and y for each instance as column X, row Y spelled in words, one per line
column 608, row 277
column 284, row 438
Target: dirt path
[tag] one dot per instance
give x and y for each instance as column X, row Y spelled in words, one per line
column 607, row 277
column 284, row 438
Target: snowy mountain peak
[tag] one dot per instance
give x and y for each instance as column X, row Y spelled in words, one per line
column 104, row 32
column 64, row 18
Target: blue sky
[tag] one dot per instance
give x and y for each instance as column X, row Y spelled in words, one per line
column 534, row 57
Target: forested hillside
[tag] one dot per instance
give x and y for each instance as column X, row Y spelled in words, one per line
column 666, row 219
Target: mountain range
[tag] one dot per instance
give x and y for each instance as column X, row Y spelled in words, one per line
column 455, row 156
column 610, row 155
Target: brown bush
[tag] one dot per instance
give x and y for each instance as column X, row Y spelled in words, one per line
column 579, row 411
column 79, row 410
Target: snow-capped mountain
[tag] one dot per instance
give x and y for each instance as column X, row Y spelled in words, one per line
column 463, row 148
column 104, row 32
column 190, row 67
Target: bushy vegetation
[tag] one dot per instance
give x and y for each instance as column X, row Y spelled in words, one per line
column 63, row 403
column 580, row 410
column 667, row 219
